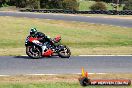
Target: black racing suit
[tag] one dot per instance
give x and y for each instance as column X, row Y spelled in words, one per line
column 42, row 37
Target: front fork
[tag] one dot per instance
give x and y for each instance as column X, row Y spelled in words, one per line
column 43, row 49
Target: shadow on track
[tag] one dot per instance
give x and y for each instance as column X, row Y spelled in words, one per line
column 26, row 57
column 22, row 57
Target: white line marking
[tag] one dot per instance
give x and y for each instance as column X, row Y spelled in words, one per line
column 96, row 55
column 24, row 55
column 105, row 55
column 42, row 74
column 51, row 74
column 4, row 75
column 92, row 73
column 65, row 74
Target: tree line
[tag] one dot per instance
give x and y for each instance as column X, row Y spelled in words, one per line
column 57, row 4
column 37, row 4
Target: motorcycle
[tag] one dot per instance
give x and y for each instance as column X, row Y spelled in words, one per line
column 34, row 48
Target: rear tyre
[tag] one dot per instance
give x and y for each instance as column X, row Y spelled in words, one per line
column 65, row 52
column 33, row 52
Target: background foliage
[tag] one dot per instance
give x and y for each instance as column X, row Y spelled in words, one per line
column 128, row 5
column 98, row 6
column 37, row 4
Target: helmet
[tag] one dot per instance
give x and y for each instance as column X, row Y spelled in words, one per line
column 33, row 31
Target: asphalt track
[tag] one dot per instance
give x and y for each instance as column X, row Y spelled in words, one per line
column 10, row 65
column 97, row 20
column 14, row 65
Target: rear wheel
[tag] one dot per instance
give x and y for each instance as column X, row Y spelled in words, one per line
column 64, row 52
column 33, row 52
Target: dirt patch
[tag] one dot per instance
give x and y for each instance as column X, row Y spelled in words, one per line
column 39, row 78
column 119, row 17
column 97, row 15
column 59, row 78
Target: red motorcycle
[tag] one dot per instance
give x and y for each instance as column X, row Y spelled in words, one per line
column 34, row 48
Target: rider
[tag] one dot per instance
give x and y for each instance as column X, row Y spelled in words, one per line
column 41, row 37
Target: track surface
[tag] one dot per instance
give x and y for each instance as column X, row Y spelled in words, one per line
column 99, row 20
column 10, row 65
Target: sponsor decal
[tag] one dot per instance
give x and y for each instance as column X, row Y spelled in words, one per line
column 85, row 81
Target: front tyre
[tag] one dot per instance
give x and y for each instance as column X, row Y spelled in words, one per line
column 64, row 52
column 33, row 52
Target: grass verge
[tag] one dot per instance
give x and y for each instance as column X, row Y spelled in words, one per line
column 55, row 85
column 57, row 81
column 84, row 5
column 82, row 38
column 9, row 8
column 108, row 16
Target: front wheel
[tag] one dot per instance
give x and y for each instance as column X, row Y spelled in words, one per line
column 33, row 52
column 64, row 52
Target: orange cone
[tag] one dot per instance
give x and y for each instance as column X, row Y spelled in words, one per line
column 84, row 74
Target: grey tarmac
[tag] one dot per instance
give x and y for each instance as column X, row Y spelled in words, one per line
column 96, row 20
column 16, row 65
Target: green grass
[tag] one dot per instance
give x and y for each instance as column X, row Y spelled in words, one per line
column 77, row 35
column 74, row 34
column 57, row 81
column 55, row 85
column 9, row 8
column 84, row 5
column 44, row 85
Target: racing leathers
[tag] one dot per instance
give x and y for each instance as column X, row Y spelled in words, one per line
column 43, row 38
